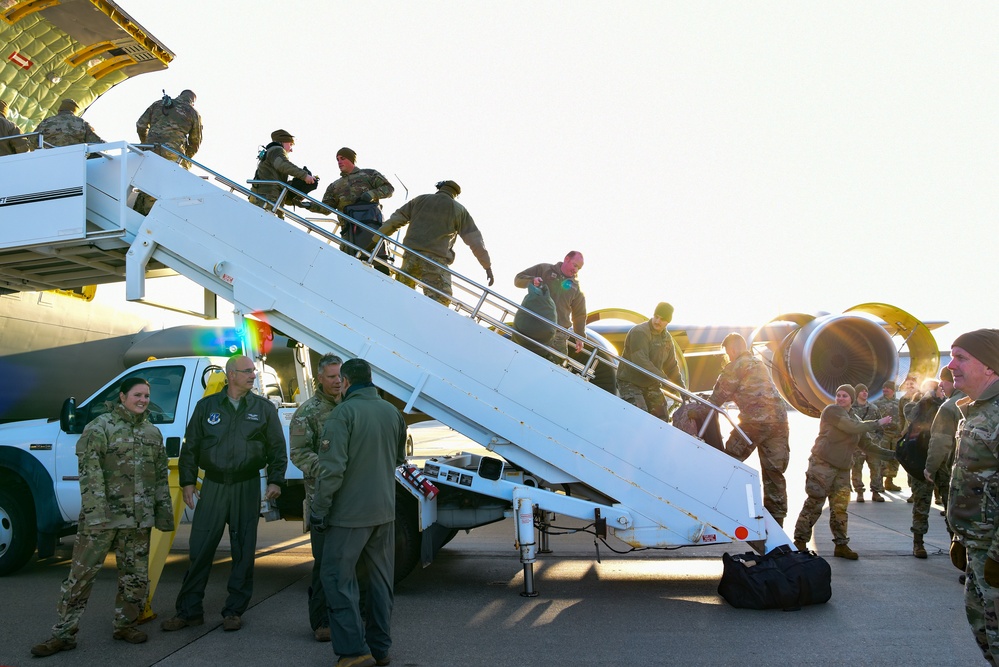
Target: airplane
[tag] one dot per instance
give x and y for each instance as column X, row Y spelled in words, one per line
column 58, row 342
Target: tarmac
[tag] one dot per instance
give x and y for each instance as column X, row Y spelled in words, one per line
column 595, row 607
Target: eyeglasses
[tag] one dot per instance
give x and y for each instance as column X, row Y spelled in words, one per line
column 244, row 370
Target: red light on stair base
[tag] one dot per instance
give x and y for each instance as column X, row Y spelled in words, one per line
column 741, row 533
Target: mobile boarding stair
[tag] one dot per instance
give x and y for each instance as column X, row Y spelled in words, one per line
column 569, row 447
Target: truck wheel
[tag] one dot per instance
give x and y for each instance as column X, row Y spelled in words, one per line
column 407, row 536
column 17, row 530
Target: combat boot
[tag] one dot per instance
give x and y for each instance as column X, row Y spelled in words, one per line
column 890, row 485
column 860, row 496
column 130, row 634
column 918, row 550
column 843, row 551
column 877, row 497
column 52, row 646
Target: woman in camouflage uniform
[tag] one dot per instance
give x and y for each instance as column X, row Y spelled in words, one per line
column 828, row 474
column 125, row 493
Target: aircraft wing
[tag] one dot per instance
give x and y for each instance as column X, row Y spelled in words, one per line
column 78, row 49
column 808, row 355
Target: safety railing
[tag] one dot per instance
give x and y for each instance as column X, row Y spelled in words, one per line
column 477, row 302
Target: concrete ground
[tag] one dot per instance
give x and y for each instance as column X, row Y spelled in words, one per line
column 643, row 608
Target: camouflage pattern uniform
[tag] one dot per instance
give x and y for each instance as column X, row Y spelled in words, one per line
column 890, row 433
column 828, row 474
column 346, row 191
column 656, row 353
column 177, row 126
column 973, row 511
column 763, row 417
column 435, row 221
column 304, row 433
column 274, row 167
column 11, row 146
column 123, row 483
column 66, row 129
column 867, row 412
column 570, row 302
column 921, row 416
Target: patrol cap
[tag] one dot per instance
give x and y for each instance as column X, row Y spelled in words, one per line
column 348, row 153
column 982, row 344
column 848, row 388
column 69, row 105
column 450, row 185
column 282, row 137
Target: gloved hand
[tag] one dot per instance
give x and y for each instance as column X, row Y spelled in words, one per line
column 991, row 572
column 489, row 277
column 958, row 556
column 306, row 204
column 317, row 522
column 365, row 198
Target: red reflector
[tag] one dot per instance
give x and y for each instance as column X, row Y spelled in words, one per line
column 741, row 533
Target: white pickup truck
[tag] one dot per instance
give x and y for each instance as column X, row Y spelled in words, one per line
column 39, row 475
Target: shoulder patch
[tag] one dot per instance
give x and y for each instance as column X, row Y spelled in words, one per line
column 324, row 445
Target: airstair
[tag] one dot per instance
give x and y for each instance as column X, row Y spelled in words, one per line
column 64, row 223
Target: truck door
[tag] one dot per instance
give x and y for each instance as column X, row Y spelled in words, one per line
column 166, row 410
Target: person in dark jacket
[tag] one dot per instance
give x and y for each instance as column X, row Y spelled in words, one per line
column 274, row 165
column 828, row 474
column 363, row 442
column 231, row 436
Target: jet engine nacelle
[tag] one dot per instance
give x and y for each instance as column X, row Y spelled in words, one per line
column 811, row 361
column 811, row 356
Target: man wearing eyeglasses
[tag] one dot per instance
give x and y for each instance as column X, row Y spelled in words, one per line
column 232, row 435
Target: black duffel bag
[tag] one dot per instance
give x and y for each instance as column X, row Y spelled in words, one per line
column 782, row 579
column 911, row 452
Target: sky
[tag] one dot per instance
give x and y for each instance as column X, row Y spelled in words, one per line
column 738, row 159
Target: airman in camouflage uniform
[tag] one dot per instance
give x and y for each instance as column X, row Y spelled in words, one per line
column 355, row 185
column 865, row 411
column 887, row 404
column 828, row 474
column 762, row 416
column 9, row 129
column 649, row 346
column 922, row 417
column 125, row 493
column 66, row 128
column 910, row 393
column 172, row 122
column 275, row 166
column 304, row 434
column 357, row 193
column 435, row 222
column 169, row 122
column 973, row 509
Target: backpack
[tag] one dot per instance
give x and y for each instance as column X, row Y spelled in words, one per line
column 538, row 301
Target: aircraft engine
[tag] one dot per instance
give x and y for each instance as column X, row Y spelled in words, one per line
column 814, row 359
